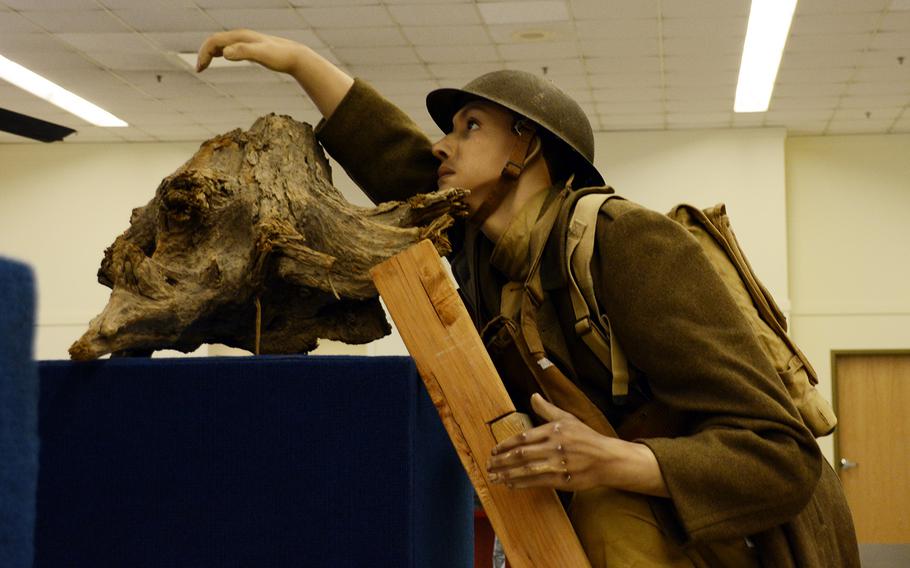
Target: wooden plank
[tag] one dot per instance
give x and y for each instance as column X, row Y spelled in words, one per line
column 470, row 397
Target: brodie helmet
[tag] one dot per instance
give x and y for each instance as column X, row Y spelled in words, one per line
column 532, row 97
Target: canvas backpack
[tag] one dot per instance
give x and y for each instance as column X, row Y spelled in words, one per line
column 711, row 228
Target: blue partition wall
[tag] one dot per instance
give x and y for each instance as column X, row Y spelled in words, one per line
column 247, row 462
column 18, row 415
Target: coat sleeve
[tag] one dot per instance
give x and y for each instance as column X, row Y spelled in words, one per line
column 745, row 462
column 379, row 146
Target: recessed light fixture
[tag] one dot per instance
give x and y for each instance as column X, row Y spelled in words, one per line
column 189, row 58
column 56, row 95
column 532, row 35
column 766, row 36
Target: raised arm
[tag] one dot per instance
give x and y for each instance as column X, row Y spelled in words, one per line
column 325, row 83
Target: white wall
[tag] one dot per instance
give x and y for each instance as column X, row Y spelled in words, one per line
column 848, row 201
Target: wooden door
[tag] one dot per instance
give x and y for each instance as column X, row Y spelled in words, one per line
column 873, row 450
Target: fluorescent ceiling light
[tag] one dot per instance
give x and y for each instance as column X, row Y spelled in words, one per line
column 523, row 12
column 769, row 26
column 55, row 94
column 189, row 58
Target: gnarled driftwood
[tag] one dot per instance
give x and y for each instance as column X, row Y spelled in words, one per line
column 251, row 229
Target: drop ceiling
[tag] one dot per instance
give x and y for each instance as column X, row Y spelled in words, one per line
column 632, row 64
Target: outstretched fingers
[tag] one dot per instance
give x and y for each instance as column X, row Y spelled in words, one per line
column 217, row 44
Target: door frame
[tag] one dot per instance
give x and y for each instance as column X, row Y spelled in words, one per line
column 834, row 401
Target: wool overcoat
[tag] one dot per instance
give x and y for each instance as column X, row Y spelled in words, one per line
column 739, row 464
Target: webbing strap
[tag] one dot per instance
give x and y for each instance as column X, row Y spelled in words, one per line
column 580, row 250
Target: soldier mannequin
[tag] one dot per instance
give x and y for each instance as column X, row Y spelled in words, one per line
column 564, row 453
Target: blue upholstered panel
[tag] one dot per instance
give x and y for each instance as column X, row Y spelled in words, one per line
column 247, row 462
column 18, row 415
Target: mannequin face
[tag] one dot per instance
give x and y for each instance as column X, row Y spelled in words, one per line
column 473, row 154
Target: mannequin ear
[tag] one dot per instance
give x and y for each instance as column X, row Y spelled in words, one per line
column 534, row 151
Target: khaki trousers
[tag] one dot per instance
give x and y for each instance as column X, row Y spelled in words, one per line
column 617, row 529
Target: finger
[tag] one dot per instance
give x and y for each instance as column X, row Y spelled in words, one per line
column 215, row 44
column 561, row 481
column 532, row 436
column 534, row 475
column 547, row 410
column 523, row 455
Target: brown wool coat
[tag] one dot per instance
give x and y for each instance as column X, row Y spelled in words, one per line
column 737, row 460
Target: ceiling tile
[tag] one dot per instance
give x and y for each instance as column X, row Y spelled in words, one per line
column 885, row 58
column 632, row 80
column 812, row 60
column 699, row 27
column 435, row 15
column 810, row 89
column 94, row 134
column 872, row 115
column 815, row 75
column 628, row 47
column 828, row 43
column 706, row 8
column 403, row 86
column 624, row 94
column 748, row 119
column 371, row 55
column 840, row 6
column 624, row 28
column 363, row 37
column 11, row 22
column 178, row 132
column 891, row 40
column 241, row 3
column 406, row 71
column 526, row 12
column 704, row 45
column 717, row 105
column 695, row 78
column 795, row 130
column 598, row 9
column 254, row 74
column 797, row 103
column 158, row 118
column 697, row 63
column 42, row 63
column 896, row 22
column 323, row 3
column 41, row 42
column 811, row 115
column 177, row 41
column 41, row 5
column 125, row 42
column 876, row 74
column 700, row 119
column 261, row 18
column 169, row 20
column 634, row 107
column 874, row 102
column 858, row 126
column 861, row 23
column 696, row 91
column 77, row 21
column 537, row 51
column 882, row 88
column 553, row 68
column 446, row 35
column 456, row 74
column 347, row 17
column 132, row 61
column 252, row 89
column 597, row 65
column 632, row 121
column 457, row 54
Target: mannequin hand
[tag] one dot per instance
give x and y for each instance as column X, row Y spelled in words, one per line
column 278, row 54
column 568, row 455
column 563, row 454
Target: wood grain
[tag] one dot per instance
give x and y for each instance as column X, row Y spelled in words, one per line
column 470, row 397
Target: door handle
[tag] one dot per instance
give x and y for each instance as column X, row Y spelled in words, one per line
column 847, row 464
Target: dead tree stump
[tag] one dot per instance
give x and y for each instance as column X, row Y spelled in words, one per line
column 251, row 230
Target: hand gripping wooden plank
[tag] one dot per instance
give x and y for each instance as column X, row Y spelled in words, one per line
column 473, row 405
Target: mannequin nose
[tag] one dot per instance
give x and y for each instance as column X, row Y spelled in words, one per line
column 441, row 149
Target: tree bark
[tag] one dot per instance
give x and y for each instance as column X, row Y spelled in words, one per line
column 251, row 229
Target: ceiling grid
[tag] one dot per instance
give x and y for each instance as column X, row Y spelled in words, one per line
column 631, row 64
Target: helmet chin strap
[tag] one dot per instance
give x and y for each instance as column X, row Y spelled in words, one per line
column 525, row 132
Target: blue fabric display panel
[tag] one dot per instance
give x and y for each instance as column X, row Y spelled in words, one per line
column 247, row 462
column 18, row 415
